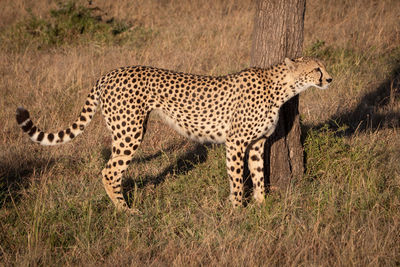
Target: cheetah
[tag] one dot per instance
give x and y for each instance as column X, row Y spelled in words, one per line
column 240, row 110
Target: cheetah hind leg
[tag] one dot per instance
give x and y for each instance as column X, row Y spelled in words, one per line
column 114, row 170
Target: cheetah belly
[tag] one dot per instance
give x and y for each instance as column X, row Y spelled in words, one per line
column 211, row 134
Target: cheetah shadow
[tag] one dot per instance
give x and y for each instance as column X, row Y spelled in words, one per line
column 185, row 163
column 15, row 178
column 106, row 154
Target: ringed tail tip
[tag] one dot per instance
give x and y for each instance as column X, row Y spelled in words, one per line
column 22, row 115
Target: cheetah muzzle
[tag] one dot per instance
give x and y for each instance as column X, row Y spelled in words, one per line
column 240, row 110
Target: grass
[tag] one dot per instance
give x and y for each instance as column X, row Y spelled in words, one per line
column 344, row 211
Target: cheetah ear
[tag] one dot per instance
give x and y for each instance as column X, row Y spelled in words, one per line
column 290, row 64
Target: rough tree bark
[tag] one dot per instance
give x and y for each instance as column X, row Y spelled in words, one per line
column 278, row 33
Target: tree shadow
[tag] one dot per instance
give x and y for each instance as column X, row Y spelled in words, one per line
column 16, row 177
column 366, row 115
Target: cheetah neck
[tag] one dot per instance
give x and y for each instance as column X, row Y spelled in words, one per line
column 281, row 85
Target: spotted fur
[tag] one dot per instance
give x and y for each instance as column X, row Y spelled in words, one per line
column 240, row 110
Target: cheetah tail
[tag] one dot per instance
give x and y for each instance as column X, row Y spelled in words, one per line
column 64, row 136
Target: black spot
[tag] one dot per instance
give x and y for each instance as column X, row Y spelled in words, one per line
column 40, row 136
column 61, row 134
column 255, row 158
column 74, row 126
column 120, row 162
column 127, row 152
column 50, row 137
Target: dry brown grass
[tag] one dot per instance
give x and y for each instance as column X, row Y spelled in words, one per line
column 346, row 210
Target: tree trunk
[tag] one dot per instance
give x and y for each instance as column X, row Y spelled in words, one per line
column 278, row 33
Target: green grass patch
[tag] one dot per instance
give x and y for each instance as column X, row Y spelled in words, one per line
column 70, row 24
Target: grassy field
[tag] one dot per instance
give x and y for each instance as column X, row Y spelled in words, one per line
column 344, row 211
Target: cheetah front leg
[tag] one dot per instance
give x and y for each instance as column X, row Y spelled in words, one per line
column 234, row 165
column 256, row 168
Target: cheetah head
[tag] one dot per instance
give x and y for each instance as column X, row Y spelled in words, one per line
column 308, row 72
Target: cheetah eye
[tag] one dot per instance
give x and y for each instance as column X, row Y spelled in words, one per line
column 318, row 69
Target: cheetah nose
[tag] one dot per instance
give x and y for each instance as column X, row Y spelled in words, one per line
column 329, row 80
